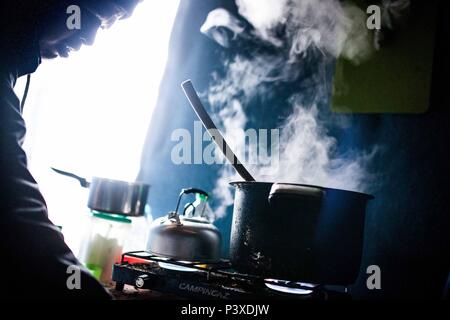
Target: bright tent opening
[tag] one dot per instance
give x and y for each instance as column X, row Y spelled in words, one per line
column 89, row 113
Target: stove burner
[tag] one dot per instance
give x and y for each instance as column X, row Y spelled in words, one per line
column 290, row 287
column 208, row 281
column 174, row 267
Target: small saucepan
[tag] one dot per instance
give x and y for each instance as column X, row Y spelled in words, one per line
column 114, row 196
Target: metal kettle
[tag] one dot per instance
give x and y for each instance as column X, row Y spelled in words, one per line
column 186, row 237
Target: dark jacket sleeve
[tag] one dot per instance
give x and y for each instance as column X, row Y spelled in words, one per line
column 36, row 258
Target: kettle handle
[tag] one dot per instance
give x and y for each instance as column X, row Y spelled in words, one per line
column 193, row 190
column 188, row 191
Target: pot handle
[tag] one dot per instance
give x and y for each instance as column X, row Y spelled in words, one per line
column 83, row 182
column 292, row 189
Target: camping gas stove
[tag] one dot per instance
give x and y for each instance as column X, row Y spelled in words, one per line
column 197, row 280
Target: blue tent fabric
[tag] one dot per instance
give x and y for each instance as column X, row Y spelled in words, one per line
column 194, row 56
column 407, row 224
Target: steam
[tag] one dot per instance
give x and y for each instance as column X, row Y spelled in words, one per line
column 308, row 156
column 300, row 40
column 216, row 24
column 333, row 27
column 264, row 15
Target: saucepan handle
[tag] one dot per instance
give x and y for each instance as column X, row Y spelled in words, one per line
column 83, row 181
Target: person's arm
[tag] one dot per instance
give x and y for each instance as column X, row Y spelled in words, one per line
column 36, row 259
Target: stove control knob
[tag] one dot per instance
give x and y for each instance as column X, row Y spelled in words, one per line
column 141, row 280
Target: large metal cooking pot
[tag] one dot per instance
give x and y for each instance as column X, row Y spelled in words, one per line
column 114, row 196
column 185, row 237
column 290, row 231
column 298, row 232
